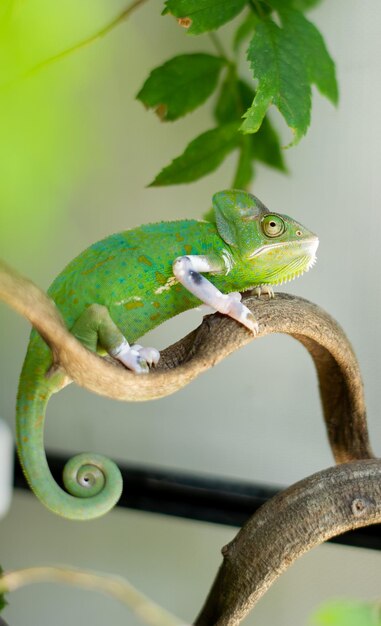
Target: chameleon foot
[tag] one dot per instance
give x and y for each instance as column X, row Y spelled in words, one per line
column 150, row 355
column 131, row 358
column 234, row 308
column 264, row 289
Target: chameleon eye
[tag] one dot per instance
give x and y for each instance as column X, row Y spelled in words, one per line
column 273, row 225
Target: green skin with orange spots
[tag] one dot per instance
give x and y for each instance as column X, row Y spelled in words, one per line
column 131, row 274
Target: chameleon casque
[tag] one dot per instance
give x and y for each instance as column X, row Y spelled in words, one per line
column 125, row 285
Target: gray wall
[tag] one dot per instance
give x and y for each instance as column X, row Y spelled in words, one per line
column 229, row 422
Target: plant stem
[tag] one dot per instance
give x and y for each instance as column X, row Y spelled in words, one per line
column 119, row 588
column 218, row 45
column 81, row 44
column 255, row 5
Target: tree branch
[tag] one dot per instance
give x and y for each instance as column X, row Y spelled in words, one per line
column 116, row 587
column 303, row 516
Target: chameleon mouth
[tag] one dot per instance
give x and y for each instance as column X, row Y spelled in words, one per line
column 310, row 245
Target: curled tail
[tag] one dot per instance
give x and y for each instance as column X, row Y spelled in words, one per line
column 94, row 483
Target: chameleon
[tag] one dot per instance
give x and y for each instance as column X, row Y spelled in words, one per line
column 125, row 285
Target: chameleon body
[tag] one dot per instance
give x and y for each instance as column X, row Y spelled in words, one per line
column 125, row 285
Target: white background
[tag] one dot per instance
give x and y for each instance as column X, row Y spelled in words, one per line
column 256, row 416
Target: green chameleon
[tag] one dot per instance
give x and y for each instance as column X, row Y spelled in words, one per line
column 125, row 285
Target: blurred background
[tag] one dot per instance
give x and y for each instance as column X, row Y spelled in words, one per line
column 77, row 152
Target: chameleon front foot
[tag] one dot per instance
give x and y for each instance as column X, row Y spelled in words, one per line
column 187, row 271
column 264, row 289
column 233, row 307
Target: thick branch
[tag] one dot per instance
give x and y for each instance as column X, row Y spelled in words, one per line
column 320, row 507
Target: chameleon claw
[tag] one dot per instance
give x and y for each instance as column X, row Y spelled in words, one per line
column 130, row 358
column 269, row 290
column 150, row 355
column 239, row 312
column 264, row 289
column 252, row 324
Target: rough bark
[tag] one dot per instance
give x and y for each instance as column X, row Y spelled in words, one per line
column 319, row 507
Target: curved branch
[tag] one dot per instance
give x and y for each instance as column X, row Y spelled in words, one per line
column 303, row 516
column 218, row 336
column 117, row 587
column 310, row 512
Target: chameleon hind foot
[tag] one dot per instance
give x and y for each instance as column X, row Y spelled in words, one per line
column 150, row 355
column 130, row 358
column 96, row 329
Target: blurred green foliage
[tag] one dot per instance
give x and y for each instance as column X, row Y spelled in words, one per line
column 348, row 613
column 43, row 124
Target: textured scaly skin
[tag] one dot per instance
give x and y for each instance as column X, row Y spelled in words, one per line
column 131, row 274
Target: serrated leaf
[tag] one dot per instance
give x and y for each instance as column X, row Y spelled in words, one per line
column 202, row 156
column 234, row 98
column 348, row 613
column 278, row 64
column 319, row 64
column 181, row 84
column 200, row 16
column 286, row 61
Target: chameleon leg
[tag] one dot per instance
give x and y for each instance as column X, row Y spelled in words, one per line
column 187, row 271
column 96, row 329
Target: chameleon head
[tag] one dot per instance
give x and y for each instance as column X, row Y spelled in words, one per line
column 274, row 247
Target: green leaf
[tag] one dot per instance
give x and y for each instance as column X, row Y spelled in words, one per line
column 319, row 64
column 202, row 156
column 348, row 613
column 200, row 16
column 228, row 106
column 305, row 5
column 286, row 62
column 235, row 96
column 181, row 84
column 265, row 146
column 278, row 64
column 300, row 5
